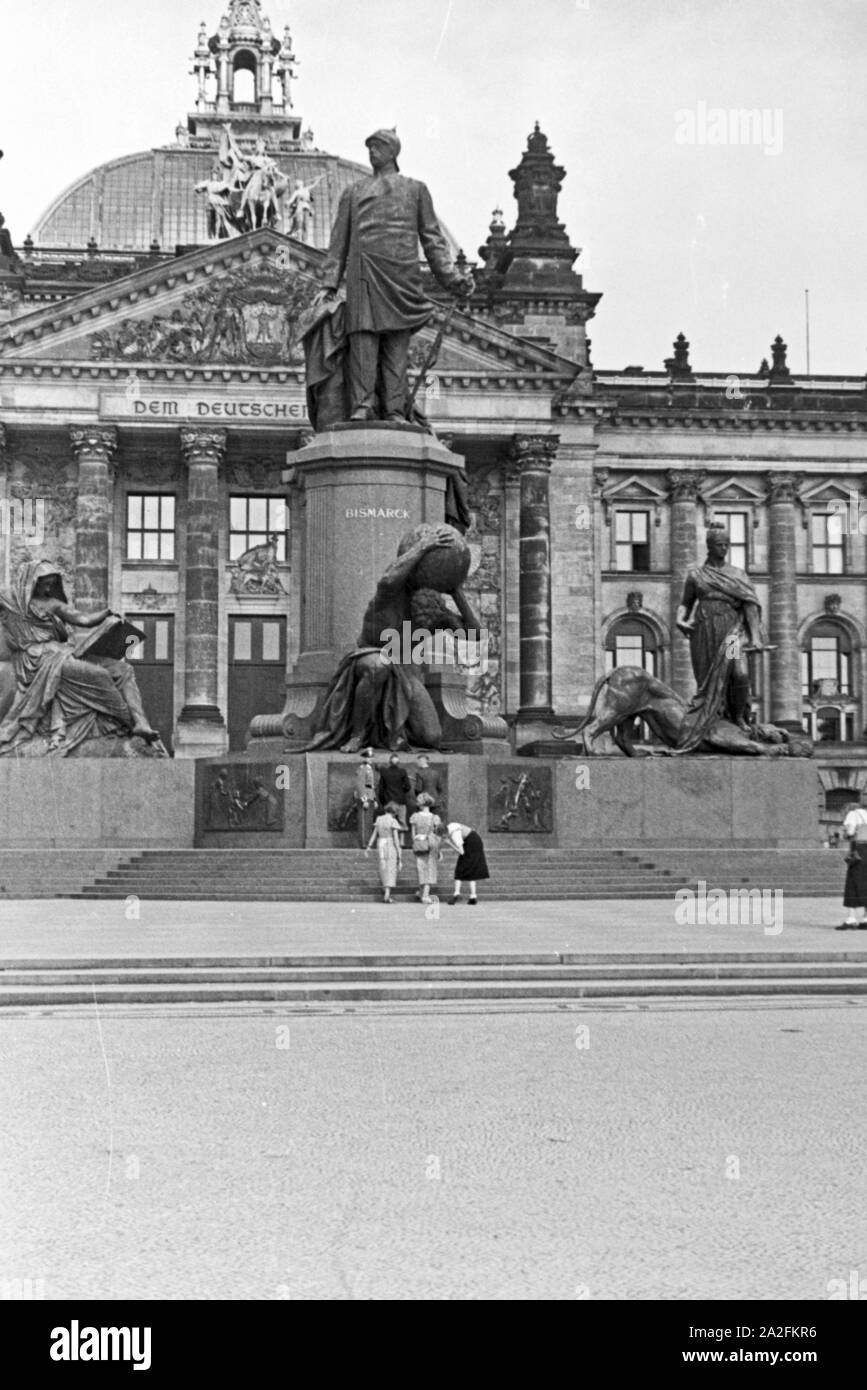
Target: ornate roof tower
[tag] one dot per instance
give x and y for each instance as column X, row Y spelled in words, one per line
column 147, row 201
column 528, row 284
column 245, row 76
column 539, row 247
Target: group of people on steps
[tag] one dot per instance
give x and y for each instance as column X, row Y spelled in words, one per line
column 409, row 807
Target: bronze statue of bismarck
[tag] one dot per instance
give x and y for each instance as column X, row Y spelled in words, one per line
column 361, row 342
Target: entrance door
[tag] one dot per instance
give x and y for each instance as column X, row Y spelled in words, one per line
column 154, row 661
column 257, row 672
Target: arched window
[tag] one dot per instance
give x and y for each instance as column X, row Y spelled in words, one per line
column 826, row 657
column 244, row 80
column 631, row 642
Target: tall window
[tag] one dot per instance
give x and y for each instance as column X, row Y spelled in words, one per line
column 150, row 526
column 736, row 525
column 631, row 643
column 826, row 657
column 827, row 543
column 632, row 541
column 253, row 519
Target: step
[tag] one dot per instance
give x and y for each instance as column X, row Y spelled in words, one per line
column 478, row 991
column 326, row 975
column 409, row 959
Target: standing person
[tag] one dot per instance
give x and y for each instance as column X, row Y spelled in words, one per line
column 428, row 781
column 386, row 833
column 394, row 786
column 427, row 830
column 364, row 795
column 855, row 890
column 472, row 865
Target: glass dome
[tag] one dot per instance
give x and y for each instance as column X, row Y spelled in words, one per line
column 130, row 203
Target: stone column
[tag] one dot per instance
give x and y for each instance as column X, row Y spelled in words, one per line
column 683, row 487
column 201, row 729
column 223, row 74
column 782, row 617
column 533, row 455
column 600, row 563
column 511, row 664
column 94, row 449
column 265, row 82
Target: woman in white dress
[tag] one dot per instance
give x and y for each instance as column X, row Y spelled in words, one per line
column 386, row 833
column 426, row 830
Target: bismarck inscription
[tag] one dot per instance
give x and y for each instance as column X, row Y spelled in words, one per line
column 376, row 513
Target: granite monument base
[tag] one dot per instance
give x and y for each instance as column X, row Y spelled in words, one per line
column 365, row 485
column 96, row 803
column 598, row 803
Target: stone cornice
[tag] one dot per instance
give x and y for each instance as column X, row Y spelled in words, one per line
column 828, row 423
column 455, row 379
column 66, row 370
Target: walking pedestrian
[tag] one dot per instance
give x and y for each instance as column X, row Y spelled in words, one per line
column 386, row 833
column 364, row 795
column 472, row 867
column 855, row 890
column 427, row 830
column 394, row 786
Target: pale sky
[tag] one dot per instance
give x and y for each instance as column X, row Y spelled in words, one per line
column 719, row 241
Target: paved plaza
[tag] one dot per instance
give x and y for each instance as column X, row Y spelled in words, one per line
column 250, row 1154
column 37, row 929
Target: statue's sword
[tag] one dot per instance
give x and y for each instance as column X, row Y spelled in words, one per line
column 432, row 356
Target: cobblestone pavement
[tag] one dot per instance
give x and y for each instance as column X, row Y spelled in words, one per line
column 39, row 928
column 560, row 1153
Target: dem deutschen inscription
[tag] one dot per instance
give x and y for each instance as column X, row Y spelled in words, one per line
column 137, row 407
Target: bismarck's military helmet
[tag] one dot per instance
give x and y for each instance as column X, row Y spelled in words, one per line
column 388, row 138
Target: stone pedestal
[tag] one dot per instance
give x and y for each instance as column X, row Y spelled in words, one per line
column 364, row 485
column 464, row 729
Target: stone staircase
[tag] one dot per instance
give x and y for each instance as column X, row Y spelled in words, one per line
column 54, row 873
column 422, row 979
column 345, row 875
column 516, row 873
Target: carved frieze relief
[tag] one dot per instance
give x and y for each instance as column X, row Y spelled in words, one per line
column 252, row 317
